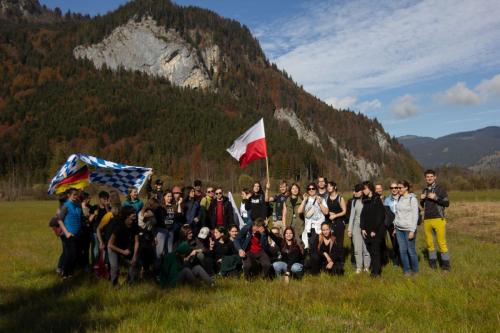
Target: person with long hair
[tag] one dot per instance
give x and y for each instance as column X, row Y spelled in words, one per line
column 256, row 204
column 191, row 209
column 322, row 258
column 123, row 245
column 292, row 256
column 227, row 260
column 405, row 227
column 361, row 255
column 168, row 224
column 291, row 216
column 133, row 200
column 372, row 225
column 314, row 208
column 336, row 215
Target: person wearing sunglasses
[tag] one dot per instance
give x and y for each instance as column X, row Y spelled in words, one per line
column 390, row 203
column 220, row 212
column 405, row 227
column 314, row 208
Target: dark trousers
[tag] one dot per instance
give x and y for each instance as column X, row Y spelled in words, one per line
column 374, row 247
column 338, row 229
column 83, row 246
column 317, row 263
column 193, row 276
column 255, row 262
column 396, row 258
column 69, row 255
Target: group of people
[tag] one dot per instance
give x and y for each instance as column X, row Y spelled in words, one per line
column 189, row 236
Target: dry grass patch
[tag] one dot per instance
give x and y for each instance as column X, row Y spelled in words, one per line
column 479, row 219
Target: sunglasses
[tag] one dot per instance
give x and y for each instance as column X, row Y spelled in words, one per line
column 394, row 188
column 176, row 192
column 311, row 189
column 218, row 193
column 210, row 191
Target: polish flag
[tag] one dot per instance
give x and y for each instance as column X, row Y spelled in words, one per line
column 251, row 145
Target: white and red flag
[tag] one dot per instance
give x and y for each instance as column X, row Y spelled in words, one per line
column 251, row 145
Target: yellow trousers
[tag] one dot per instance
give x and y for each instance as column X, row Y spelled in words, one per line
column 439, row 227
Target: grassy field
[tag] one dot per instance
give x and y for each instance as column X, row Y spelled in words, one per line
column 33, row 298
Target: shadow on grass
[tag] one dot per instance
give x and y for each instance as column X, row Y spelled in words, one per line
column 62, row 307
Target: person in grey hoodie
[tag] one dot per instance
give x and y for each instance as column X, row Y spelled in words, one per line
column 405, row 227
column 354, row 231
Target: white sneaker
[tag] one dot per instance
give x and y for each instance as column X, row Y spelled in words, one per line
column 367, row 270
column 358, row 270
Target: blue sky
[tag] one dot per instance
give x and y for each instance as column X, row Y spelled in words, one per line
column 423, row 67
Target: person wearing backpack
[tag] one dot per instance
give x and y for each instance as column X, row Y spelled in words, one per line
column 405, row 227
column 337, row 209
column 434, row 200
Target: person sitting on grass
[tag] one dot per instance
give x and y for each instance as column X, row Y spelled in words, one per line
column 123, row 245
column 227, row 260
column 292, row 257
column 177, row 268
column 252, row 245
column 322, row 251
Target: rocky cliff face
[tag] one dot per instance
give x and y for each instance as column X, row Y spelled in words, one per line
column 144, row 46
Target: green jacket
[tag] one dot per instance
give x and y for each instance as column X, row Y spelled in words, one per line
column 294, row 219
column 169, row 270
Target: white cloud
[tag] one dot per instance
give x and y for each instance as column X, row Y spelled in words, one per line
column 459, row 95
column 405, row 107
column 369, row 105
column 347, row 48
column 489, row 88
column 341, row 103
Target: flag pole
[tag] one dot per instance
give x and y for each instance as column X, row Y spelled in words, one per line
column 267, row 169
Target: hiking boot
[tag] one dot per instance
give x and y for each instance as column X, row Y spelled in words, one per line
column 433, row 263
column 445, row 265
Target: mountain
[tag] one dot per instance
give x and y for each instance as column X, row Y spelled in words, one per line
column 157, row 84
column 478, row 150
column 26, row 10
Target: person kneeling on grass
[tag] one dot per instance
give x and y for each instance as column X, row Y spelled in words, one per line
column 177, row 268
column 123, row 245
column 322, row 251
column 292, row 257
column 252, row 245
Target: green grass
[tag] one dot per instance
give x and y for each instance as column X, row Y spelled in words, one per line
column 476, row 196
column 33, row 298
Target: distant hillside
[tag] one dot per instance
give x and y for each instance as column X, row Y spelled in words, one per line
column 478, row 150
column 157, row 84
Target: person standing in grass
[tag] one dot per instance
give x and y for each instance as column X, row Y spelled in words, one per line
column 361, row 255
column 70, row 221
column 291, row 216
column 372, row 226
column 336, row 215
column 204, row 205
column 434, row 200
column 256, row 204
column 102, row 209
column 192, row 209
column 279, row 202
column 133, row 200
column 314, row 208
column 390, row 203
column 405, row 227
column 123, row 245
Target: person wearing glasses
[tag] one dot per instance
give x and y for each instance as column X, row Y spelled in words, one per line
column 405, row 227
column 220, row 212
column 372, row 225
column 204, row 205
column 314, row 208
column 390, row 204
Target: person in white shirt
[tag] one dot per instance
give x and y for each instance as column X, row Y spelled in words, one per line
column 314, row 208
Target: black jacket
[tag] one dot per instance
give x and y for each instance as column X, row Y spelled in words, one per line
column 434, row 209
column 228, row 213
column 373, row 216
column 257, row 207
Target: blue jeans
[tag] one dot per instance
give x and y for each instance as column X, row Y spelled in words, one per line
column 407, row 251
column 281, row 267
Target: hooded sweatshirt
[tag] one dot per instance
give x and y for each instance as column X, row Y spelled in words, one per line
column 406, row 213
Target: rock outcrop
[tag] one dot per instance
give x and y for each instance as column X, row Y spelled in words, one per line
column 145, row 46
column 303, row 133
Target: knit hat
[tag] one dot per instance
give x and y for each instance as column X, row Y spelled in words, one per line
column 183, row 248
